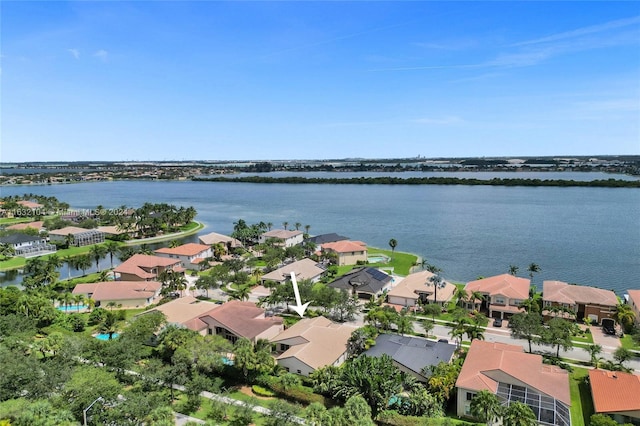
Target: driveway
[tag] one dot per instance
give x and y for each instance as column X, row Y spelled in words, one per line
column 608, row 342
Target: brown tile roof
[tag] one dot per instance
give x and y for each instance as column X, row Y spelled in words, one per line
column 484, row 359
column 30, row 204
column 190, row 249
column 214, row 238
column 186, row 311
column 119, row 290
column 325, row 340
column 418, row 282
column 21, row 226
column 561, row 292
column 304, row 269
column 505, row 284
column 112, row 230
column 244, row 319
column 281, row 233
column 346, row 246
column 614, row 391
column 137, row 264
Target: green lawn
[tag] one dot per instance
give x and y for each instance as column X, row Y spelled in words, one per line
column 19, row 262
column 14, row 220
column 400, row 263
column 628, row 343
column 581, row 402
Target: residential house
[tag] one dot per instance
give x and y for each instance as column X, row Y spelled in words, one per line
column 37, row 225
column 501, row 294
column 312, row 343
column 214, row 238
column 513, row 375
column 318, row 240
column 305, row 269
column 417, row 287
column 634, row 301
column 78, row 236
column 282, row 237
column 363, row 282
column 144, row 267
column 115, row 232
column 412, row 355
column 28, row 245
column 232, row 320
column 616, row 394
column 128, row 294
column 586, row 302
column 191, row 254
column 349, row 252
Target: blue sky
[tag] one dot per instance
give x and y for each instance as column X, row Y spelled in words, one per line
column 299, row 80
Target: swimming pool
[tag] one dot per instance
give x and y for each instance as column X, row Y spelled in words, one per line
column 72, row 308
column 378, row 258
column 227, row 361
column 105, row 336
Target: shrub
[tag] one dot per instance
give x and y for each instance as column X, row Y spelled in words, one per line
column 260, row 391
column 97, row 316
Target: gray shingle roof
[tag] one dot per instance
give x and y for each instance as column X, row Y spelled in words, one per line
column 366, row 280
column 19, row 238
column 327, row 238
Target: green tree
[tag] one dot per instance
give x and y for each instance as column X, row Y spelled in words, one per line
column 486, row 407
column 622, row 355
column 98, row 252
column 85, row 386
column 526, row 325
column 602, row 420
column 83, row 262
column 625, row 317
column 282, row 413
column 594, row 351
column 533, row 268
column 558, row 334
column 513, row 270
column 357, row 412
column 111, row 248
column 519, row 414
column 393, row 243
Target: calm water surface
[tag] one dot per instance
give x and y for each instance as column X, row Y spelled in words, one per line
column 587, row 236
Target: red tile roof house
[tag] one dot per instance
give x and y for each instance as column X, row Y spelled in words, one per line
column 634, row 302
column 587, row 302
column 191, row 254
column 416, row 286
column 305, row 269
column 312, row 343
column 513, row 375
column 144, row 267
column 232, row 320
column 129, row 294
column 502, row 294
column 349, row 252
column 81, row 236
column 617, row 394
column 283, row 237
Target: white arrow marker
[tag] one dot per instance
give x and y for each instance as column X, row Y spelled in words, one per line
column 299, row 308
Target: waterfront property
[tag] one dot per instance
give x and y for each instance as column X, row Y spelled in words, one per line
column 417, row 288
column 213, row 238
column 585, row 302
column 501, row 294
column 282, row 237
column 305, row 269
column 412, row 355
column 318, row 240
column 312, row 343
column 190, row 255
column 28, row 245
column 634, row 302
column 126, row 294
column 363, row 282
column 513, row 375
column 144, row 267
column 616, row 394
column 348, row 252
column 76, row 236
column 37, row 225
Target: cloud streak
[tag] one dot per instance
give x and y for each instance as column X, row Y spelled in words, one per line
column 102, row 54
column 74, row 52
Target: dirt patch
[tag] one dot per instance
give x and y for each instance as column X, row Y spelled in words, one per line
column 247, row 391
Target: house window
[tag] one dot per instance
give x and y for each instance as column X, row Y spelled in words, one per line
column 499, row 300
column 299, row 372
column 284, row 347
column 547, row 303
column 470, row 396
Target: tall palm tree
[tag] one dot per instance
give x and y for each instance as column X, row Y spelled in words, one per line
column 83, row 263
column 393, row 243
column 111, row 248
column 285, row 225
column 306, row 229
column 98, row 252
column 513, row 270
column 241, row 293
column 437, row 281
column 624, row 316
column 78, row 299
column 533, row 268
column 297, row 225
column 486, row 407
column 269, row 226
column 594, row 351
column 108, row 324
column 474, row 331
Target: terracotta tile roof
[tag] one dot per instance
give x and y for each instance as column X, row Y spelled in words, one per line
column 190, row 249
column 305, row 269
column 119, row 290
column 186, row 311
column 505, row 284
column 561, row 292
column 30, row 204
column 244, row 319
column 139, row 263
column 486, row 361
column 21, row 226
column 281, row 233
column 325, row 341
column 614, row 391
column 346, row 246
column 418, row 282
column 634, row 295
column 214, row 238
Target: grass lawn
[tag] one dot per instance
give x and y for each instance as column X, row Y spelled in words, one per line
column 628, row 343
column 400, row 262
column 19, row 262
column 588, row 339
column 14, row 220
column 581, row 402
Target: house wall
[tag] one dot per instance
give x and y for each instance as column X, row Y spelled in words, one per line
column 402, row 301
column 599, row 312
column 463, row 408
column 351, row 258
column 405, row 370
column 636, row 309
column 293, row 241
column 294, row 365
column 130, row 303
column 129, row 277
column 627, row 417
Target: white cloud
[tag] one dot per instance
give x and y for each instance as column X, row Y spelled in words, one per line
column 74, row 52
column 102, row 55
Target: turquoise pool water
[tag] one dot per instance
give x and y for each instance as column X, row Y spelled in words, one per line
column 378, row 259
column 227, row 361
column 105, row 336
column 72, row 308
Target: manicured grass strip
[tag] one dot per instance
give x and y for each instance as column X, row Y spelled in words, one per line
column 581, row 402
column 628, row 343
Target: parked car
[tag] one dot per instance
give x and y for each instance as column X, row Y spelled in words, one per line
column 608, row 326
column 497, row 322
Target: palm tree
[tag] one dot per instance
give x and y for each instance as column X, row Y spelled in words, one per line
column 98, row 252
column 486, row 407
column 285, row 225
column 474, row 331
column 297, row 225
column 533, row 268
column 111, row 248
column 70, row 261
column 241, row 293
column 83, row 263
column 513, row 270
column 78, row 299
column 594, row 351
column 519, row 414
column 624, row 316
column 393, row 244
column 108, row 324
column 306, row 229
column 269, row 226
column 437, row 281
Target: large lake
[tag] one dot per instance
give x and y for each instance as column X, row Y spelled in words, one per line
column 588, row 236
